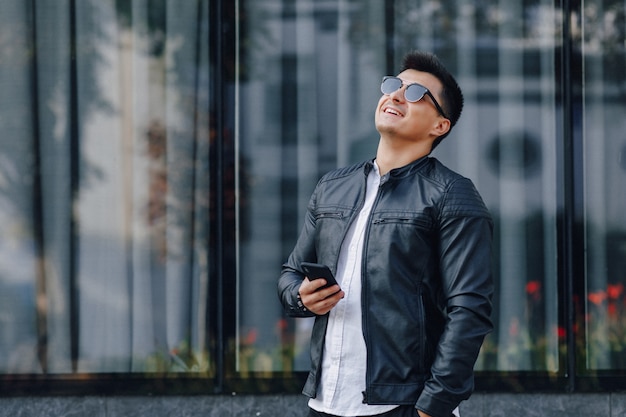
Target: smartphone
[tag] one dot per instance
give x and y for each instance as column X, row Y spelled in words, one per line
column 315, row 271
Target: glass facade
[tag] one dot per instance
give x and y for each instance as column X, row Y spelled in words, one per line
column 603, row 172
column 105, row 196
column 158, row 157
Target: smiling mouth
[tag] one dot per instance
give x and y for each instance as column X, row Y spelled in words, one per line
column 391, row 111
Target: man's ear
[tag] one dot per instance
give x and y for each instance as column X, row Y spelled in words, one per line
column 441, row 127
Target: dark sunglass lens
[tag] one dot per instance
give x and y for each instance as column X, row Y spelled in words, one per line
column 414, row 93
column 390, row 85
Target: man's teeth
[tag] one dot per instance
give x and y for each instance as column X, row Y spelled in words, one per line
column 392, row 111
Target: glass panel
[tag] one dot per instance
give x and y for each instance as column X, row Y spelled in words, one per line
column 604, row 60
column 308, row 87
column 141, row 166
column 104, row 183
column 503, row 55
column 18, row 247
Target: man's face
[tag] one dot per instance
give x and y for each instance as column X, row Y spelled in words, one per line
column 418, row 121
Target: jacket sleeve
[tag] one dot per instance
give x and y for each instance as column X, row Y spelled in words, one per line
column 465, row 244
column 291, row 277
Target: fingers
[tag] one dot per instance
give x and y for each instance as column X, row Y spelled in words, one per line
column 318, row 300
column 324, row 305
column 309, row 287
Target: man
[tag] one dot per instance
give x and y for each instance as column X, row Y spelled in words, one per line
column 409, row 242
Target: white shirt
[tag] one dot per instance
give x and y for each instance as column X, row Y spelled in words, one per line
column 344, row 360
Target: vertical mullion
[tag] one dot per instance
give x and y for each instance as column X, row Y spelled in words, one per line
column 572, row 213
column 74, row 190
column 217, row 189
column 289, row 125
column 390, row 36
column 40, row 284
column 226, row 182
column 194, row 173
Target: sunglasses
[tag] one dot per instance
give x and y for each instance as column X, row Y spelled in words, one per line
column 414, row 92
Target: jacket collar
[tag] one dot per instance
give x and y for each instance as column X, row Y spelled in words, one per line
column 403, row 171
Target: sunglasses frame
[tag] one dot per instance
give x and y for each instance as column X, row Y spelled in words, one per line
column 426, row 92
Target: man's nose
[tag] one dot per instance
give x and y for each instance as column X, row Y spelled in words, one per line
column 398, row 95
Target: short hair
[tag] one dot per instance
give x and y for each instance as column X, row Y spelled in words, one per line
column 451, row 94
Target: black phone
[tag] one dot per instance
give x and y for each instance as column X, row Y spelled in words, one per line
column 315, row 271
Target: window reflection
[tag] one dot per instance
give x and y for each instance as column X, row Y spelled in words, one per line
column 506, row 142
column 106, row 261
column 307, row 99
column 318, row 86
column 109, row 200
column 604, row 181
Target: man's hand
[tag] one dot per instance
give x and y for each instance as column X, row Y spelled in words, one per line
column 316, row 300
column 422, row 414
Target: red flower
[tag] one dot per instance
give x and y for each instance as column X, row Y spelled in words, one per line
column 282, row 325
column 614, row 291
column 597, row 297
column 251, row 337
column 533, row 289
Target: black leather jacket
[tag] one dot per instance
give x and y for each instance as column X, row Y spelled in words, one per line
column 426, row 280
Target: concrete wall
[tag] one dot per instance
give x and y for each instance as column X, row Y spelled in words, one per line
column 480, row 405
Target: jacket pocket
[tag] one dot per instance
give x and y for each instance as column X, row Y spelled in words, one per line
column 420, row 220
column 329, row 215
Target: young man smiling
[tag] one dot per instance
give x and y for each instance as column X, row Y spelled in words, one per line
column 409, row 242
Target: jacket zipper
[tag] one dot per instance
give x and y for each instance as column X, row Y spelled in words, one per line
column 422, row 328
column 364, row 304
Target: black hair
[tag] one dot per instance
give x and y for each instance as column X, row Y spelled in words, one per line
column 451, row 94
